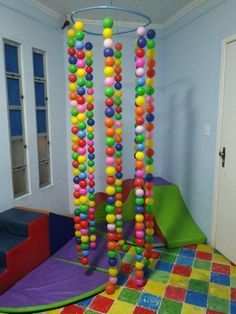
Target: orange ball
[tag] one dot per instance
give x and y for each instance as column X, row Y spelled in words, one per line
column 119, row 196
column 149, row 127
column 110, row 180
column 111, row 245
column 118, row 69
column 139, row 274
column 139, row 111
column 73, row 96
column 151, row 63
column 118, row 46
column 139, row 226
column 109, row 122
column 138, row 182
column 139, row 164
column 110, row 132
column 150, row 108
column 119, row 160
column 149, row 185
column 149, row 224
column 110, row 288
column 109, row 61
column 118, row 139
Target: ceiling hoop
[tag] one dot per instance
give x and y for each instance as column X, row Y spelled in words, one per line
column 146, row 18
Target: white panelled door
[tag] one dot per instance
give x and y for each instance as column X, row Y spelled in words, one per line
column 226, row 200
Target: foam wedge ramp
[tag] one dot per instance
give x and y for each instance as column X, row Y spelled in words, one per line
column 173, row 218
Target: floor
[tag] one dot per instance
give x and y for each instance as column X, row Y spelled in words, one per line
column 188, row 280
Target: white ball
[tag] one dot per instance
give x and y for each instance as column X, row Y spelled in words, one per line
column 139, row 129
column 141, row 31
column 108, row 43
column 140, row 72
column 118, row 217
column 111, row 227
column 139, row 192
column 73, row 103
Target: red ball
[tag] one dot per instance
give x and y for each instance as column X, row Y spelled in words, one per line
column 72, row 78
column 84, row 223
column 140, row 120
column 111, row 236
column 91, row 149
column 80, row 100
column 150, row 72
column 77, row 219
column 109, row 102
column 148, row 254
column 138, row 182
column 90, row 107
column 80, row 54
column 139, row 242
column 149, row 152
column 118, row 69
column 84, row 260
column 76, row 194
column 119, row 236
column 110, row 151
column 83, row 183
column 89, row 69
column 75, row 164
column 91, row 216
column 118, row 109
column 148, row 217
column 110, row 288
column 118, row 78
column 74, row 129
column 140, row 52
column 110, row 180
column 71, row 51
column 119, row 168
column 82, row 143
column 151, row 63
column 91, row 183
column 118, row 46
column 119, row 210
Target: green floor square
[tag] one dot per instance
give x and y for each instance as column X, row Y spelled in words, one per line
column 218, row 304
column 201, row 264
column 159, row 276
column 129, row 259
column 172, row 251
column 233, row 281
column 91, row 312
column 129, row 296
column 198, row 285
column 170, row 307
column 170, row 258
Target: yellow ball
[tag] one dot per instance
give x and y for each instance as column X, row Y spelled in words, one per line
column 118, row 93
column 121, row 242
column 82, row 159
column 76, row 172
column 81, row 72
column 151, row 53
column 110, row 218
column 150, row 81
column 84, row 238
column 90, row 129
column 118, row 182
column 79, row 26
column 149, row 169
column 139, row 218
column 89, row 99
column 77, row 234
column 118, row 131
column 150, row 231
column 81, row 117
column 107, row 33
column 149, row 201
column 110, row 190
column 117, row 62
column 140, row 101
column 110, row 171
column 91, row 204
column 71, row 33
column 113, row 271
column 109, row 71
column 88, row 54
column 74, row 139
column 93, row 238
column 139, row 265
column 118, row 203
column 72, row 87
column 83, row 199
column 139, row 155
column 74, row 120
column 119, row 230
column 91, row 169
column 76, row 201
column 149, row 143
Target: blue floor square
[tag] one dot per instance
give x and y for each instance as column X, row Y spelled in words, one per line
column 233, row 307
column 85, row 302
column 220, row 279
column 149, row 301
column 184, row 260
column 196, row 298
column 122, row 255
column 147, row 272
column 122, row 279
column 186, row 252
column 164, row 266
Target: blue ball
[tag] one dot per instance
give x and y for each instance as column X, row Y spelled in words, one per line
column 76, row 180
column 77, row 240
column 79, row 45
column 91, row 156
column 88, row 45
column 89, row 77
column 119, row 175
column 111, row 200
column 82, row 175
column 91, row 190
column 85, row 252
column 112, row 261
column 140, row 147
column 139, row 209
column 151, row 34
column 90, row 122
column 83, row 216
column 149, row 177
column 72, row 60
column 141, row 42
column 81, row 91
column 118, row 86
column 109, row 112
column 119, row 146
column 150, row 117
column 139, row 257
column 108, row 52
column 81, row 134
column 140, row 81
column 92, row 223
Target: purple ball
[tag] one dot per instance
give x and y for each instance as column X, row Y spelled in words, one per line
column 141, row 42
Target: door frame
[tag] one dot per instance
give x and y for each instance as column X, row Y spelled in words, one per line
column 225, row 41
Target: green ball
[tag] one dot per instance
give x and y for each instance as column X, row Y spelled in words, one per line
column 151, row 43
column 90, row 136
column 150, row 90
column 109, row 91
column 125, row 248
column 118, row 116
column 92, row 229
column 149, row 239
column 149, row 208
column 81, row 81
column 77, row 212
column 107, row 22
column 139, row 250
column 119, row 189
column 73, row 68
column 140, row 90
column 79, row 35
column 110, row 141
column 74, row 112
column 90, row 163
column 110, row 209
column 71, row 42
column 139, row 201
column 89, row 61
column 118, row 154
column 82, row 167
column 91, row 197
column 111, row 254
column 149, row 160
column 89, row 114
column 84, row 209
column 119, row 223
column 75, row 156
column 118, row 54
column 84, row 246
column 82, row 125
column 89, row 84
column 139, row 138
column 118, row 101
column 146, row 262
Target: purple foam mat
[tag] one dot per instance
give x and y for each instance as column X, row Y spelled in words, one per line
column 53, row 281
column 97, row 257
column 160, row 181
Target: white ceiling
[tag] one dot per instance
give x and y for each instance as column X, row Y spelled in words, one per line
column 162, row 12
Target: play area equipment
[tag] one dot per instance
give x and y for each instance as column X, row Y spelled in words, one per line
column 48, row 260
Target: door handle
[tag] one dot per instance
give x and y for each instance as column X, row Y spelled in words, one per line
column 222, row 154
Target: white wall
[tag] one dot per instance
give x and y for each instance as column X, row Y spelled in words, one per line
column 45, row 35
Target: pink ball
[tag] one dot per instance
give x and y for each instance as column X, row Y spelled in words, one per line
column 140, row 62
column 76, row 187
column 139, row 72
column 81, row 108
column 84, row 231
column 90, row 142
column 110, row 160
column 91, row 210
column 113, row 280
column 139, row 174
column 139, row 192
column 109, row 81
column 118, row 217
column 80, row 63
column 139, row 129
column 139, row 282
column 149, row 100
column 82, row 150
column 149, row 135
column 139, row 234
column 92, row 245
column 149, row 193
column 111, row 227
column 91, row 176
column 90, row 91
column 141, row 31
column 83, row 191
column 118, row 123
column 73, row 103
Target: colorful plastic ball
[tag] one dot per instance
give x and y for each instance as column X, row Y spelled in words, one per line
column 107, row 22
column 73, row 68
column 79, row 45
column 139, row 72
column 118, row 46
column 141, row 31
column 140, row 100
column 149, row 177
column 88, row 46
column 109, row 112
column 140, row 52
column 71, row 51
column 149, row 90
column 108, row 43
column 140, row 62
column 72, row 60
column 112, row 261
column 90, row 122
column 150, row 117
column 110, row 288
column 109, row 91
column 107, row 32
column 89, row 77
column 140, row 81
column 110, row 171
column 119, row 175
column 71, row 42
column 110, row 141
column 79, row 26
column 150, row 43
column 118, row 86
column 141, row 42
column 109, row 71
column 70, row 33
column 151, row 34
column 89, row 61
column 109, row 81
column 118, row 54
column 109, row 61
column 80, row 54
column 108, row 52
